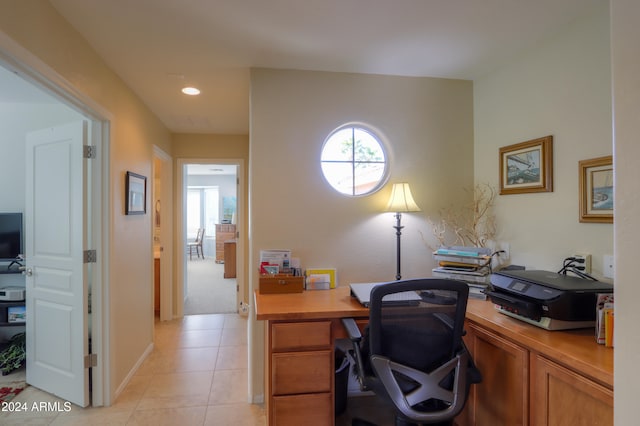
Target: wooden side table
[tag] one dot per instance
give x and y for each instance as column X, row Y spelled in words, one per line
column 224, row 232
column 230, row 259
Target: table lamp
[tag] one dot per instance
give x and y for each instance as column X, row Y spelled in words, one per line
column 400, row 201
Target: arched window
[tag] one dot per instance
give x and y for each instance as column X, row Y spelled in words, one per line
column 354, row 161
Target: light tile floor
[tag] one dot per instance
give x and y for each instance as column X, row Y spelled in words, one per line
column 196, row 375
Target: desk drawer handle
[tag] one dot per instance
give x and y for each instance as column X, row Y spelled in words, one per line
column 283, row 282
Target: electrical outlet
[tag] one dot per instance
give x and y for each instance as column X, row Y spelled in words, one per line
column 504, row 247
column 607, row 266
column 586, row 263
column 244, row 309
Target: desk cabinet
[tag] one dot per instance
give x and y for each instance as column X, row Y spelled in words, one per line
column 502, row 397
column 522, row 386
column 300, row 373
column 562, row 397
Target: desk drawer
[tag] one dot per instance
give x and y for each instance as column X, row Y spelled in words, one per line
column 307, row 410
column 289, row 336
column 284, row 284
column 301, row 372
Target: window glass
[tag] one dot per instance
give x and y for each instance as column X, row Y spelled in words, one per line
column 354, row 161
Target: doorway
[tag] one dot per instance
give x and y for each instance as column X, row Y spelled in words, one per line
column 33, row 102
column 162, row 213
column 210, row 228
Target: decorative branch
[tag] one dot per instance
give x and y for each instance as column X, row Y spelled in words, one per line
column 472, row 224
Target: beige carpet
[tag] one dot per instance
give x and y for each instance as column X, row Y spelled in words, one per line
column 208, row 292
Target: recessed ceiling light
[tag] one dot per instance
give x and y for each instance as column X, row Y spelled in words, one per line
column 190, row 91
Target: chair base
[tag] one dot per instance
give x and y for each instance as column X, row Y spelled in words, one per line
column 360, row 422
column 399, row 422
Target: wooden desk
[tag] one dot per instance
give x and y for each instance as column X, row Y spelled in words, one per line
column 299, row 352
column 530, row 375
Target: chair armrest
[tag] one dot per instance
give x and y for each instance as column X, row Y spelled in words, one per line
column 352, row 329
column 356, row 337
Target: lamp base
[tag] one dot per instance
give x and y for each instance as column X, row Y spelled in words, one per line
column 398, row 227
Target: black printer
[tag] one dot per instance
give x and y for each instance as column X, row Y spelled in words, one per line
column 547, row 299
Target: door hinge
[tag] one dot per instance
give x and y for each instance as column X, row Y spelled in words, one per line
column 91, row 360
column 90, row 256
column 89, row 151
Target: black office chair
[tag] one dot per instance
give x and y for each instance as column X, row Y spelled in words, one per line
column 412, row 351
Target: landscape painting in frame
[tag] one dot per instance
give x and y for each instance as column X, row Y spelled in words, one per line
column 596, row 190
column 136, row 194
column 527, row 167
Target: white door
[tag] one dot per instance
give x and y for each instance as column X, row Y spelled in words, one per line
column 56, row 286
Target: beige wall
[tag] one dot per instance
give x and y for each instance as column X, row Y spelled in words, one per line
column 625, row 34
column 426, row 124
column 219, row 147
column 561, row 87
column 41, row 30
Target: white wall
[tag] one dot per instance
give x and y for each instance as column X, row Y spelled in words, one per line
column 561, row 87
column 427, row 125
column 16, row 120
column 227, row 187
column 625, row 33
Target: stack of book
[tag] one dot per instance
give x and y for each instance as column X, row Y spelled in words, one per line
column 469, row 264
column 604, row 319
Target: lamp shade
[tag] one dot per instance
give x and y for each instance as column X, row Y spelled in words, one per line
column 401, row 199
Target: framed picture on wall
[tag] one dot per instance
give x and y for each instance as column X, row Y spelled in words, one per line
column 527, row 167
column 135, row 194
column 596, row 190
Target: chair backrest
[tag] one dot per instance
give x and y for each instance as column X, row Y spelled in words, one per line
column 416, row 348
column 199, row 235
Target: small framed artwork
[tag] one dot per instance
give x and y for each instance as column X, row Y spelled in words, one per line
column 527, row 167
column 136, row 194
column 16, row 314
column 596, row 190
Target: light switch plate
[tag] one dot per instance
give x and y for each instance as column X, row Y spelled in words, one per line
column 607, row 266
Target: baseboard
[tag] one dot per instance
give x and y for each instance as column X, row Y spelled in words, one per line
column 133, row 371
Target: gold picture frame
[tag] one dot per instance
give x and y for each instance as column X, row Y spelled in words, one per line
column 527, row 167
column 596, row 190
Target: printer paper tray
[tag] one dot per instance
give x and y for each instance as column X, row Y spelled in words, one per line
column 519, row 307
column 549, row 323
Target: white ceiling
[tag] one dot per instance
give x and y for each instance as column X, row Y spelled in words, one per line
column 157, row 46
column 211, row 169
